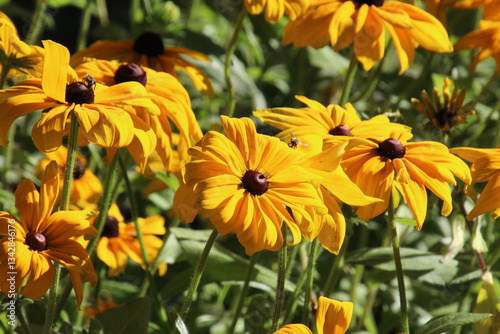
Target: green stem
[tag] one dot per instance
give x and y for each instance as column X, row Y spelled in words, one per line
column 243, row 292
column 24, row 323
column 227, row 62
column 280, row 285
column 37, row 24
column 391, row 223
column 292, row 303
column 309, row 283
column 64, row 206
column 105, row 203
column 102, row 12
column 349, row 79
column 81, row 41
column 198, row 272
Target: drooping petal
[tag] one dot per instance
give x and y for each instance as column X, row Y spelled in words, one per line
column 55, row 70
column 333, row 317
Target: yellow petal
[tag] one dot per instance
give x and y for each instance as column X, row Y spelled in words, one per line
column 333, row 317
column 55, row 70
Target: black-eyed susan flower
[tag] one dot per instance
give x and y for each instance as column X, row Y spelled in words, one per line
column 103, row 121
column 383, row 164
column 486, row 39
column 332, row 123
column 275, row 9
column 148, row 50
column 41, row 237
column 17, row 59
column 245, row 182
column 118, row 241
column 485, row 168
column 168, row 95
column 363, row 24
column 448, row 114
column 86, row 187
column 332, row 317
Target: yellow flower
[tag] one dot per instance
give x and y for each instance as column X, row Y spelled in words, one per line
column 363, row 24
column 148, row 50
column 276, row 8
column 102, row 121
column 332, row 317
column 333, row 123
column 487, row 39
column 40, row 237
column 118, row 241
column 485, row 168
column 245, row 182
column 451, row 113
column 168, row 95
column 86, row 187
column 386, row 163
column 16, row 57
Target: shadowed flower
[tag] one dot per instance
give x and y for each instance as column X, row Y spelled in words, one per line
column 245, row 182
column 17, row 59
column 332, row 317
column 363, row 24
column 102, row 121
column 40, row 237
column 386, row 163
column 450, row 113
column 485, row 168
column 486, row 39
column 118, row 241
column 86, row 187
column 168, row 95
column 274, row 9
column 148, row 50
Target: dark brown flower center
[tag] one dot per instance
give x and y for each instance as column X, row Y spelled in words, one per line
column 79, row 169
column 130, row 72
column 79, row 93
column 377, row 3
column 36, row 241
column 444, row 116
column 111, row 228
column 254, row 182
column 391, row 148
column 340, row 130
column 149, row 44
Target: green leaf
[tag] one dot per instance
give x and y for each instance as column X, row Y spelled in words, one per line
column 446, row 322
column 133, row 317
column 380, row 254
column 180, row 326
column 95, row 327
column 407, row 221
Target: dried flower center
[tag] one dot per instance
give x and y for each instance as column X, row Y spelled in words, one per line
column 110, row 229
column 79, row 169
column 391, row 148
column 36, row 241
column 444, row 116
column 130, row 72
column 255, row 183
column 340, row 130
column 149, row 44
column 377, row 3
column 79, row 93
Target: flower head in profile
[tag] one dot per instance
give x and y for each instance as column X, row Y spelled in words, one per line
column 448, row 114
column 41, row 237
column 386, row 163
column 275, row 9
column 485, row 168
column 172, row 101
column 16, row 57
column 363, row 24
column 148, row 50
column 486, row 39
column 332, row 317
column 245, row 182
column 86, row 186
column 118, row 241
column 99, row 109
